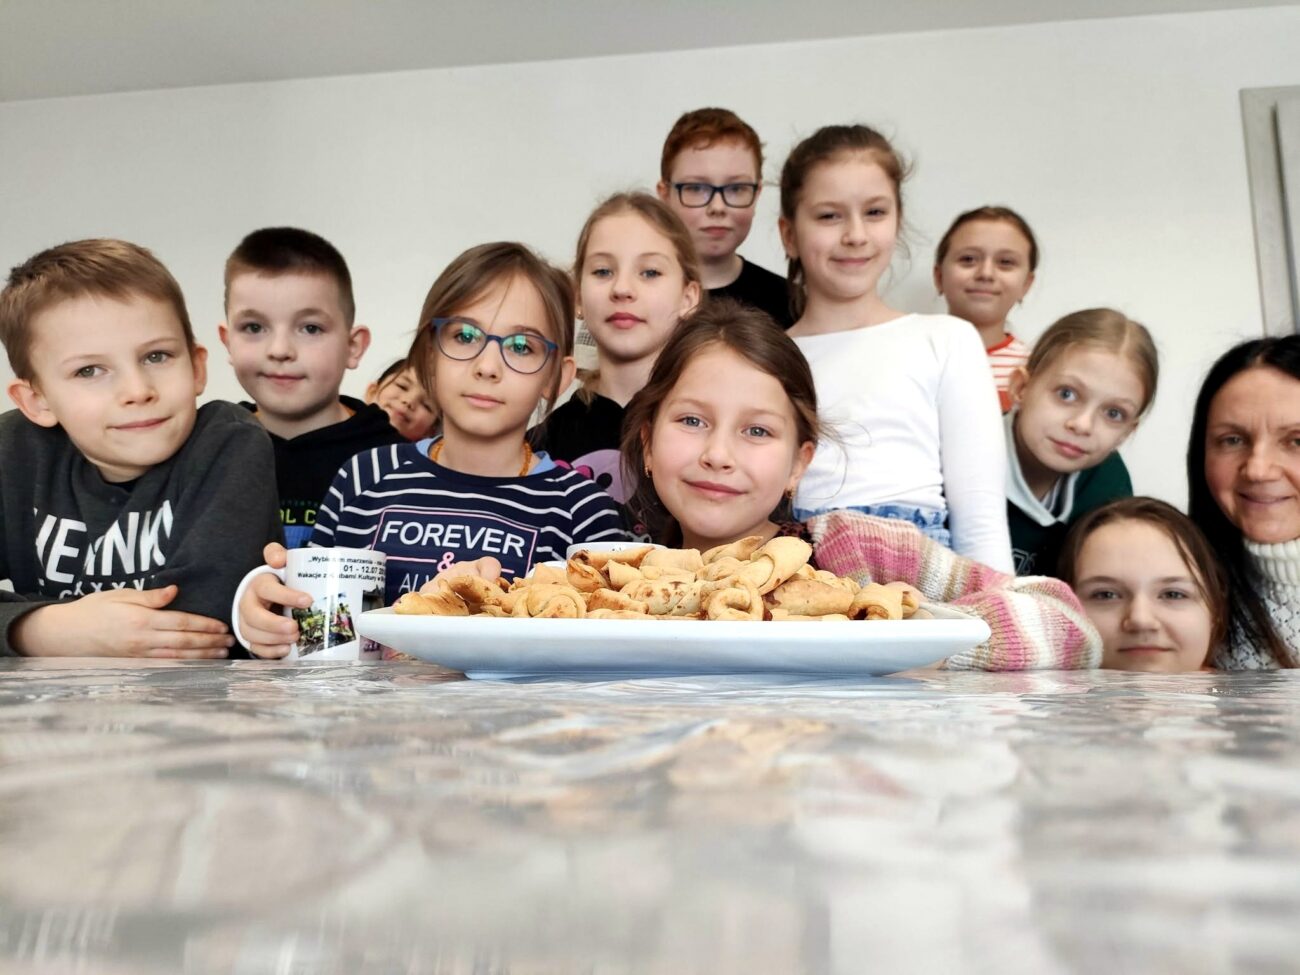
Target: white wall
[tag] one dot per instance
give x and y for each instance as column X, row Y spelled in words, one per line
column 1120, row 140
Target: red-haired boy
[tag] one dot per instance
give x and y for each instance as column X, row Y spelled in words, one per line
column 711, row 174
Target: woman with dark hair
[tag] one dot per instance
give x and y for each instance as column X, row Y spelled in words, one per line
column 1243, row 475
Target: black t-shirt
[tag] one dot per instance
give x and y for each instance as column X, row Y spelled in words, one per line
column 761, row 289
column 586, row 437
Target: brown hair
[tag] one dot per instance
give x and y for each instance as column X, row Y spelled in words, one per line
column 704, row 127
column 992, row 213
column 289, row 250
column 101, row 267
column 1103, row 328
column 661, row 217
column 825, row 145
column 750, row 334
column 468, row 277
column 1208, row 575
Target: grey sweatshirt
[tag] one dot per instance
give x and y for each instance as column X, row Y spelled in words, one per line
column 199, row 519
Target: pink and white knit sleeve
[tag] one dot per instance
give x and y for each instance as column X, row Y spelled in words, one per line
column 1036, row 623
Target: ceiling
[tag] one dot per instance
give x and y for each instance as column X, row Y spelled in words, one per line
column 54, row 48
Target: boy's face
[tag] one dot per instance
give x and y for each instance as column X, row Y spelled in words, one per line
column 717, row 229
column 290, row 343
column 118, row 376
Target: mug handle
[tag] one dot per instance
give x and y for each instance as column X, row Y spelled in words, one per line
column 244, row 583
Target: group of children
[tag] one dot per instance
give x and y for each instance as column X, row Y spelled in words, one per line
column 726, row 402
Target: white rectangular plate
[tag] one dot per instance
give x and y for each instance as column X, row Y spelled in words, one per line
column 489, row 647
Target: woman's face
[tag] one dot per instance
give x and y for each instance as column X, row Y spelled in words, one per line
column 1143, row 598
column 1252, row 453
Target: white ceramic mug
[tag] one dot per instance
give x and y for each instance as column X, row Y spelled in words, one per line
column 343, row 583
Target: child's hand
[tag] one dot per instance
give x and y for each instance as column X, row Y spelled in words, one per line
column 120, row 623
column 487, row 568
column 268, row 633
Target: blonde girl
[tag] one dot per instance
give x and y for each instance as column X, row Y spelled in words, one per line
column 636, row 274
column 721, row 435
column 495, row 336
column 909, row 397
column 1090, row 379
column 983, row 267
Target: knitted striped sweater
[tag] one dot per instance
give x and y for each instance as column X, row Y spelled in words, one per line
column 1036, row 622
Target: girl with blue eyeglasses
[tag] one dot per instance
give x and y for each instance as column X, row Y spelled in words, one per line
column 496, row 337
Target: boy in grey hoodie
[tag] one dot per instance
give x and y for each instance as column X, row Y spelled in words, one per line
column 128, row 514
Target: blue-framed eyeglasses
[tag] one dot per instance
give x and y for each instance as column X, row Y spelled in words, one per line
column 735, row 195
column 464, row 339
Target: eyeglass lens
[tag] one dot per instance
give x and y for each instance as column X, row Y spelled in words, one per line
column 701, row 194
column 523, row 351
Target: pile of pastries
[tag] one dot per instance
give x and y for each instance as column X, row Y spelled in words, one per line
column 746, row 580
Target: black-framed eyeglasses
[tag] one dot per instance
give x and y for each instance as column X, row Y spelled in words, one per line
column 464, row 339
column 735, row 195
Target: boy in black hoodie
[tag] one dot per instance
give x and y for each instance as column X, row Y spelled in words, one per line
column 291, row 336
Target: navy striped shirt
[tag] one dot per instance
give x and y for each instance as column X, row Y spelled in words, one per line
column 424, row 516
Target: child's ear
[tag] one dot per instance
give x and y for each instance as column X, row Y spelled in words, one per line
column 690, row 299
column 372, row 392
column 568, row 369
column 802, row 459
column 663, row 190
column 223, row 333
column 1016, row 383
column 1029, row 283
column 358, row 342
column 787, row 238
column 199, row 359
column 29, row 400
column 938, row 279
column 645, row 448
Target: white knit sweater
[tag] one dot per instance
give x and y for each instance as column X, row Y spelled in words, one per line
column 1279, row 571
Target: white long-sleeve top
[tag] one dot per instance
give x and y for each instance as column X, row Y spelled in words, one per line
column 914, row 419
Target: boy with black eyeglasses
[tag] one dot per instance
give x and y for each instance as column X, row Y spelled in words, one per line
column 711, row 174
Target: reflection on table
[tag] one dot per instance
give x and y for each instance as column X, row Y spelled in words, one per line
column 257, row 817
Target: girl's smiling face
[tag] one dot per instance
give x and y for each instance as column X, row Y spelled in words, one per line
column 985, row 271
column 1075, row 411
column 632, row 288
column 407, row 406
column 845, row 227
column 724, row 448
column 1144, row 599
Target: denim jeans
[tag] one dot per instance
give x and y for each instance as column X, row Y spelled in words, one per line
column 933, row 524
